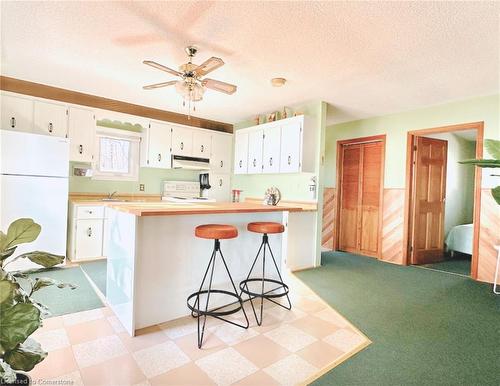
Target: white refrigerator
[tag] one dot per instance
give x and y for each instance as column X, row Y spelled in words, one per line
column 34, row 183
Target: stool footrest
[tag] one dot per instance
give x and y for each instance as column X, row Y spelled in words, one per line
column 265, row 295
column 216, row 312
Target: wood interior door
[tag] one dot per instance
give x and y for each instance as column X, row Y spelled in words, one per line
column 361, row 198
column 429, row 192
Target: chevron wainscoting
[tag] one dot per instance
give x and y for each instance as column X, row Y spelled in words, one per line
column 489, row 236
column 393, row 226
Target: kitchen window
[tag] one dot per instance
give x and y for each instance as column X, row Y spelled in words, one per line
column 117, row 155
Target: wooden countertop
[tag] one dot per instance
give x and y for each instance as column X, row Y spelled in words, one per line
column 169, row 209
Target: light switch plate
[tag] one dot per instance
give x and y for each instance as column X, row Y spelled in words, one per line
column 141, row 187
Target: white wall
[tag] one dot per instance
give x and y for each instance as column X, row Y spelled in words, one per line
column 459, row 181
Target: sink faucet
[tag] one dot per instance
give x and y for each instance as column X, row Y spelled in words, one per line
column 111, row 195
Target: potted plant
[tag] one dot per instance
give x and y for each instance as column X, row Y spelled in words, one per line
column 493, row 148
column 20, row 314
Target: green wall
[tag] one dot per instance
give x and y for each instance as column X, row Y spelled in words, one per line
column 150, row 177
column 294, row 186
column 396, row 126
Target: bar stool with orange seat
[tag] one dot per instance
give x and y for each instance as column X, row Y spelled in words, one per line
column 201, row 307
column 279, row 289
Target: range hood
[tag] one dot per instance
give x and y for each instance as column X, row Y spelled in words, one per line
column 192, row 163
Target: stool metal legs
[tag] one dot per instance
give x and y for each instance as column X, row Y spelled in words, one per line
column 269, row 295
column 196, row 309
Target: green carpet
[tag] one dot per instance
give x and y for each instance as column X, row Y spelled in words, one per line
column 455, row 265
column 66, row 301
column 96, row 270
column 427, row 327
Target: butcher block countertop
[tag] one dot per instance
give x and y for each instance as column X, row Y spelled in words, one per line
column 170, row 209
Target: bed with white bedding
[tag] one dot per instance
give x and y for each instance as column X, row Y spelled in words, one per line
column 459, row 239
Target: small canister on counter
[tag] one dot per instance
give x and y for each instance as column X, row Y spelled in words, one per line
column 236, row 195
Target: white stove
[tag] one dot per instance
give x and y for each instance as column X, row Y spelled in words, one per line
column 183, row 192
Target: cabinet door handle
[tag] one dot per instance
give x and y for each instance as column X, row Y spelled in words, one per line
column 159, row 157
column 289, row 159
column 89, row 232
column 182, row 145
column 202, row 148
column 222, row 163
column 51, row 127
column 270, row 161
column 80, row 149
column 241, row 163
column 254, row 162
column 89, row 211
column 220, row 181
column 13, row 122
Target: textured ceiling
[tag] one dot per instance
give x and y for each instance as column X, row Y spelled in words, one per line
column 363, row 58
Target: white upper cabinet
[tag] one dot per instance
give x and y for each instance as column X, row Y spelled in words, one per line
column 221, row 153
column 202, row 141
column 271, row 150
column 241, row 152
column 81, row 130
column 50, row 119
column 255, row 147
column 291, row 138
column 156, row 146
column 285, row 146
column 17, row 113
column 182, row 141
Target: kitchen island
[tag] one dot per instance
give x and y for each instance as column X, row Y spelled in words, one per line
column 155, row 261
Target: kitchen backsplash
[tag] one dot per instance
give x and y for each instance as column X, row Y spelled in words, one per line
column 151, row 178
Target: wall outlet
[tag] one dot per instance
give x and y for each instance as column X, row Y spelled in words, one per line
column 141, row 187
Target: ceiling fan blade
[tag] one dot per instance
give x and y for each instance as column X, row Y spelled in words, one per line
column 161, row 67
column 158, row 85
column 208, row 65
column 217, row 85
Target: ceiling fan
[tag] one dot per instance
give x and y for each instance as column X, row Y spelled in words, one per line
column 191, row 86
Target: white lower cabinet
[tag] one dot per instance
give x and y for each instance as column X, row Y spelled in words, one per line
column 86, row 232
column 88, row 239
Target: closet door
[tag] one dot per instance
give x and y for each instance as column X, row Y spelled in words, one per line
column 349, row 204
column 360, row 198
column 370, row 198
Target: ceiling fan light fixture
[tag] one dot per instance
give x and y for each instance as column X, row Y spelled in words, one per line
column 278, row 82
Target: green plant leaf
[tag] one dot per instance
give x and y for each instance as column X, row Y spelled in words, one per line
column 493, row 147
column 44, row 259
column 482, row 163
column 17, row 323
column 495, row 192
column 3, row 238
column 5, row 254
column 8, row 290
column 23, row 230
column 26, row 355
column 41, row 282
column 6, row 373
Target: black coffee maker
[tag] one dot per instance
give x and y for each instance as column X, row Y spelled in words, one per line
column 204, row 184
